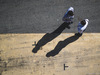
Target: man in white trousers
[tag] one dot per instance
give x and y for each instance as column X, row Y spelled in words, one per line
column 82, row 27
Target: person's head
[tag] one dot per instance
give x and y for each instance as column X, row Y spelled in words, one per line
column 70, row 13
column 83, row 22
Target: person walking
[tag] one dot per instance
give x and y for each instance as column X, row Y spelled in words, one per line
column 69, row 15
column 82, row 27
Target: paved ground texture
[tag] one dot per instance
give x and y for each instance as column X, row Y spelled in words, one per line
column 44, row 16
column 81, row 55
column 35, row 41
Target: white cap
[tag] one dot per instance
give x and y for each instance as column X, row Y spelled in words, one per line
column 87, row 20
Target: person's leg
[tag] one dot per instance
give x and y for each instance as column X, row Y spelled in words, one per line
column 78, row 34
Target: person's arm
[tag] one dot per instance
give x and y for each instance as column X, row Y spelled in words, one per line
column 71, row 17
column 79, row 28
column 84, row 27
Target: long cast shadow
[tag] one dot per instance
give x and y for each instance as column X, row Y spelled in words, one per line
column 50, row 36
column 61, row 45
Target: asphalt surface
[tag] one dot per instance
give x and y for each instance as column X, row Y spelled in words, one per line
column 45, row 16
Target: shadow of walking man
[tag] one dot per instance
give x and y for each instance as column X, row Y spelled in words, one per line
column 50, row 36
column 61, row 45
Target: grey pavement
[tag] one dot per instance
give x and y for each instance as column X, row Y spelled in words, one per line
column 45, row 16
